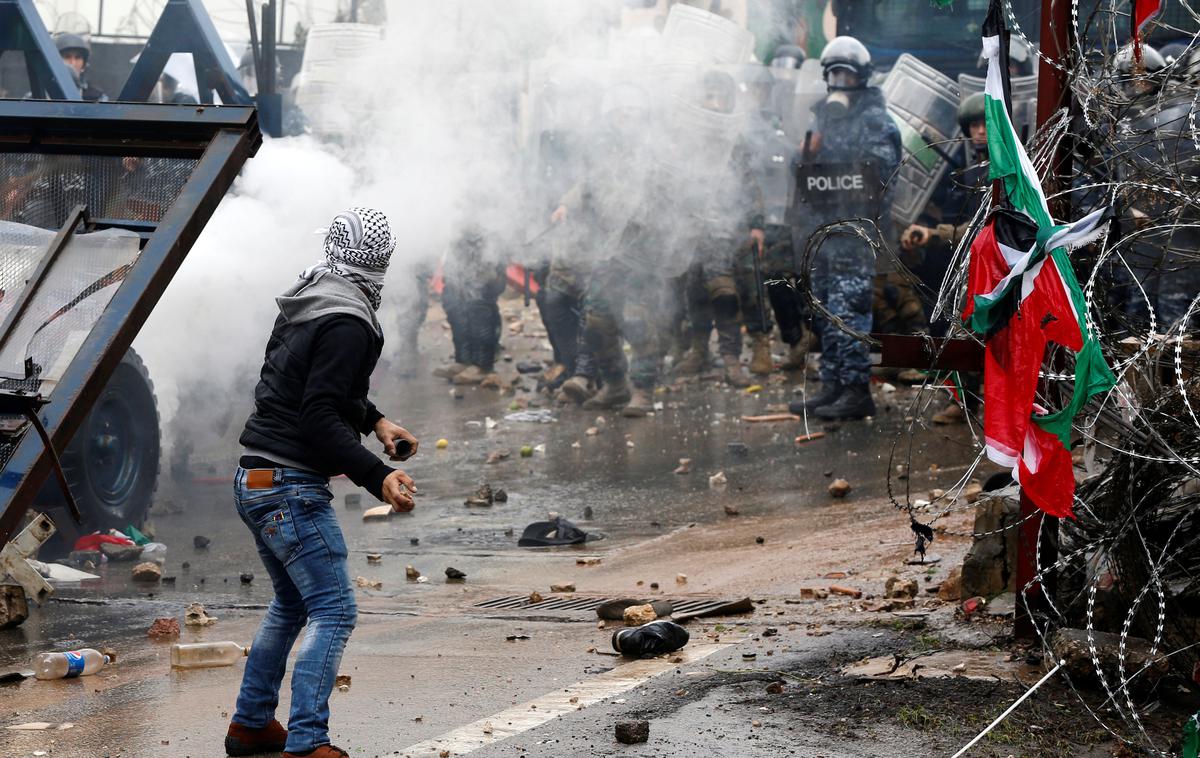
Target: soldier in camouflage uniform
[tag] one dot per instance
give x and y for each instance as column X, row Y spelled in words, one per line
column 624, row 295
column 719, row 290
column 473, row 284
column 853, row 126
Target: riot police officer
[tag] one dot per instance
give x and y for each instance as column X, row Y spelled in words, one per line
column 76, row 51
column 853, row 129
column 474, row 280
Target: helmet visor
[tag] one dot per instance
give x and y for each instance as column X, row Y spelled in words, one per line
column 842, row 77
column 786, row 61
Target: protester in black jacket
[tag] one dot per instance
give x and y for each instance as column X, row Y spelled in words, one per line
column 310, row 410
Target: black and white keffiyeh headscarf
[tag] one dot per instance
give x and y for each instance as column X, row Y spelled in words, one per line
column 358, row 248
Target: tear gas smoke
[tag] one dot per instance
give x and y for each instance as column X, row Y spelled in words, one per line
column 443, row 125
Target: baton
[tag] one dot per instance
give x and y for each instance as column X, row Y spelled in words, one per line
column 758, row 284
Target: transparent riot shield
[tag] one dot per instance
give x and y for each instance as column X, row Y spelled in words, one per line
column 924, row 104
column 693, row 34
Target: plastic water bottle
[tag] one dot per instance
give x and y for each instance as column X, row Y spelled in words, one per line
column 205, row 654
column 71, row 664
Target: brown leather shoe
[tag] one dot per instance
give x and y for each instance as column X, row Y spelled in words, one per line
column 243, row 740
column 323, row 751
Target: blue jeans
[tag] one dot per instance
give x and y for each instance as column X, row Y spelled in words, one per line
column 301, row 545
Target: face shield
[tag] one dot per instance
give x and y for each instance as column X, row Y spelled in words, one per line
column 786, row 61
column 841, row 78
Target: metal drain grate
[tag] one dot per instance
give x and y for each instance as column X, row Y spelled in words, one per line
column 587, row 605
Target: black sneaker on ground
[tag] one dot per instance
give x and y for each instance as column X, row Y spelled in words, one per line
column 829, row 393
column 854, row 403
column 655, row 638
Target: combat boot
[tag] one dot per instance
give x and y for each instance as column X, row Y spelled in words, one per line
column 640, row 404
column 829, row 393
column 695, row 360
column 735, row 375
column 449, row 372
column 854, row 403
column 797, row 355
column 577, row 390
column 469, row 375
column 951, row 414
column 760, row 355
column 613, row 394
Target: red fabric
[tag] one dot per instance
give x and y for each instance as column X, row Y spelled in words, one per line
column 987, row 267
column 94, row 541
column 1012, row 360
column 1052, row 486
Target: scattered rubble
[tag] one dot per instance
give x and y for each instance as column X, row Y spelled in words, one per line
column 195, row 616
column 632, row 732
column 374, row 558
column 164, row 628
column 951, row 588
column 839, row 488
column 497, row 456
column 117, row 553
column 535, row 597
column 246, row 577
column 200, row 542
column 731, row 509
column 895, row 587
column 483, row 497
column 363, row 582
column 14, row 608
column 681, row 578
column 593, row 561
column 564, row 587
column 147, row 572
column 378, row 513
column 454, row 575
column 718, row 480
column 637, row 615
column 411, row 573
column 1073, row 647
column 685, row 466
column 838, row 589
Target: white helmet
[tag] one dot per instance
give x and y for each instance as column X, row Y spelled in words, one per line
column 849, row 54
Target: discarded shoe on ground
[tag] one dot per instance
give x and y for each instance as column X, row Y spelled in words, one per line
column 558, row 531
column 614, row 610
column 655, row 638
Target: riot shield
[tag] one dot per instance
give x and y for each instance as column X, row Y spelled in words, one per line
column 692, row 34
column 830, row 191
column 796, row 102
column 1024, row 100
column 924, row 104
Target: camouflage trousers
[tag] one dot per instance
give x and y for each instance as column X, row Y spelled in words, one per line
column 471, row 306
column 722, row 292
column 561, row 291
column 631, row 302
column 841, row 280
column 896, row 306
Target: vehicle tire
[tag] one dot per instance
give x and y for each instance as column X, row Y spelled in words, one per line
column 112, row 461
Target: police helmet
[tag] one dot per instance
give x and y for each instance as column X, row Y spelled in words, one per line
column 1152, row 60
column 65, row 41
column 787, row 56
column 970, row 110
column 720, row 91
column 847, row 53
column 1173, row 50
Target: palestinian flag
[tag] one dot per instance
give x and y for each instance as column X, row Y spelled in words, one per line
column 1023, row 295
column 1142, row 13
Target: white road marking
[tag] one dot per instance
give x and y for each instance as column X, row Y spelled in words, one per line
column 521, row 718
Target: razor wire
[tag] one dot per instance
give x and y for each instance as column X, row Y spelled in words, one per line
column 1129, row 563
